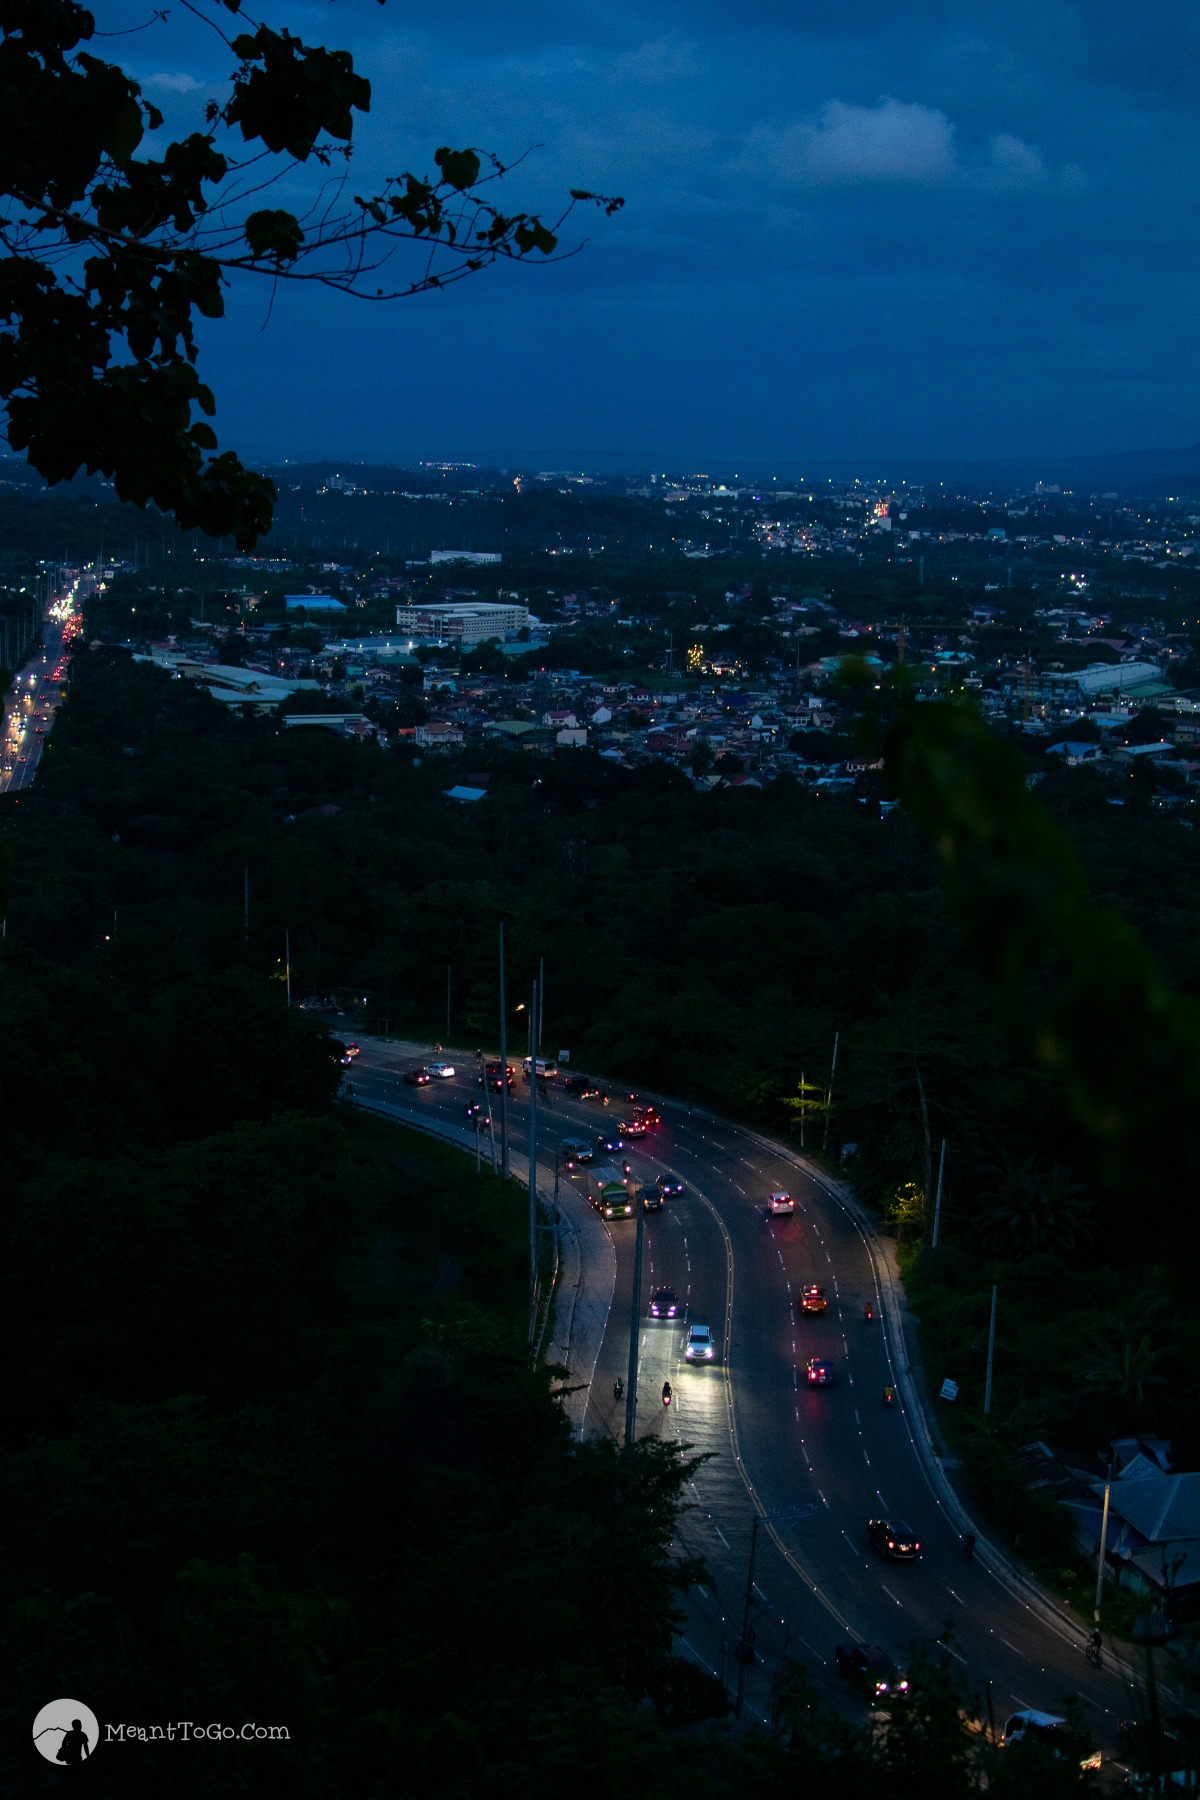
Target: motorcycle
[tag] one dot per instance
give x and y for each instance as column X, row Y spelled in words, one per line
column 618, row 1389
column 889, row 1396
column 666, row 1393
column 868, row 1313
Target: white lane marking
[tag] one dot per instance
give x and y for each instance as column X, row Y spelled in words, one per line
column 702, row 1660
column 721, row 1534
column 741, row 1190
column 955, row 1596
column 887, row 1590
column 955, row 1655
column 1012, row 1647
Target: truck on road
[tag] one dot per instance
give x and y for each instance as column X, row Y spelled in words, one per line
column 610, row 1194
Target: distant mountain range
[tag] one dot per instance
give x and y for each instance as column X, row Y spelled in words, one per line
column 1122, row 471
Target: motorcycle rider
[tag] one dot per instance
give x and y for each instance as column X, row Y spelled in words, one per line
column 666, row 1393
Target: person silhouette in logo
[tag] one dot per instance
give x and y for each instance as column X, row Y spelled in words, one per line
column 74, row 1746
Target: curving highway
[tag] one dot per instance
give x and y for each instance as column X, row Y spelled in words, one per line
column 828, row 1458
column 27, row 712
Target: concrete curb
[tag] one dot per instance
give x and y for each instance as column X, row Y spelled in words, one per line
column 587, row 1258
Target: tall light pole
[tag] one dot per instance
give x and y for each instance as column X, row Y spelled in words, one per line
column 745, row 1647
column 635, row 1326
column 533, row 1268
column 829, row 1093
column 503, row 1066
column 987, row 1386
column 1103, row 1544
column 937, row 1206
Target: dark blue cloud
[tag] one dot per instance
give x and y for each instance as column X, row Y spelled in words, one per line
column 850, row 228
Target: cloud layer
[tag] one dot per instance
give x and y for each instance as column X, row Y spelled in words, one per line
column 997, row 195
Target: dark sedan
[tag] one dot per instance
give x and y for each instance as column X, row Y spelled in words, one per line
column 417, row 1078
column 669, row 1186
column 870, row 1670
column 898, row 1543
column 609, row 1141
column 664, row 1303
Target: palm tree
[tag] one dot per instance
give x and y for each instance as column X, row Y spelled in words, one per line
column 1028, row 1209
column 1125, row 1369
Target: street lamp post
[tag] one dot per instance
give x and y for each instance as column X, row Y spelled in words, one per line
column 1103, row 1544
column 745, row 1646
column 635, row 1325
column 503, row 1067
column 533, row 1269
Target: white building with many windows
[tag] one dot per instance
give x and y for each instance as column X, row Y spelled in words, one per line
column 463, row 622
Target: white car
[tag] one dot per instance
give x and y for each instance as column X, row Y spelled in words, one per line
column 698, row 1345
column 443, row 1070
column 780, row 1203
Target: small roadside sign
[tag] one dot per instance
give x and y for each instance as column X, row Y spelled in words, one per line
column 949, row 1389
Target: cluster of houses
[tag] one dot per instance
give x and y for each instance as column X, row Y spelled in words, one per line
column 1151, row 1539
column 715, row 720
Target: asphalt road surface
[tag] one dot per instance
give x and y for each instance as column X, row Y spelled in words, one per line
column 830, row 1458
column 29, row 710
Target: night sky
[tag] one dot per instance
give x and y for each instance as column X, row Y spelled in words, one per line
column 852, row 229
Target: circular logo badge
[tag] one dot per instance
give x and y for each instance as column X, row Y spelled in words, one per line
column 66, row 1732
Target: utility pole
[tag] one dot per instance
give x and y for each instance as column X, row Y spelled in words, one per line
column 246, row 901
column 987, row 1386
column 287, row 962
column 491, row 1125
column 533, row 1268
column 448, row 968
column 937, row 1205
column 803, row 1105
column 1103, row 1544
column 635, row 1325
column 503, row 1066
column 745, row 1649
column 829, row 1092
